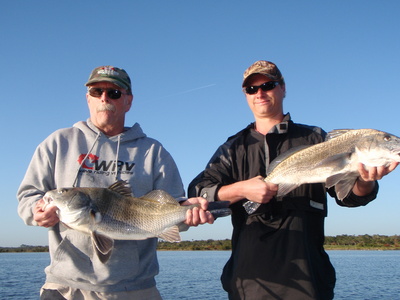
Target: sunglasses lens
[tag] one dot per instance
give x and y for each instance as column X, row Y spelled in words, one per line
column 95, row 92
column 114, row 94
column 111, row 93
column 251, row 90
column 267, row 86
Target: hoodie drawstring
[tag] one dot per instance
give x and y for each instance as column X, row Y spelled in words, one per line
column 116, row 158
column 83, row 160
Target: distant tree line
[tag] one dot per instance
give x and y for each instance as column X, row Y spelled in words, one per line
column 365, row 241
column 25, row 248
column 339, row 242
column 196, row 245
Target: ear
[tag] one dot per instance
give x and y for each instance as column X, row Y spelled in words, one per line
column 128, row 102
column 283, row 87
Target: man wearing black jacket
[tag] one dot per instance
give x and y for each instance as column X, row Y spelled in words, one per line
column 277, row 251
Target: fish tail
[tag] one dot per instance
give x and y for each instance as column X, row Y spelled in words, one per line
column 251, row 206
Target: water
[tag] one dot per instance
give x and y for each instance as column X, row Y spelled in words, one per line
column 22, row 275
column 191, row 274
column 369, row 275
column 362, row 275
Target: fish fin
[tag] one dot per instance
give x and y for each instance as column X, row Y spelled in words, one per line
column 103, row 246
column 171, row 234
column 333, row 180
column 335, row 133
column 286, row 188
column 121, row 187
column 284, row 156
column 250, row 206
column 344, row 187
column 160, row 196
column 66, row 225
column 336, row 162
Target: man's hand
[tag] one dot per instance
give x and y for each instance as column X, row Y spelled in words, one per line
column 366, row 181
column 45, row 216
column 198, row 215
column 375, row 173
column 255, row 189
column 258, row 190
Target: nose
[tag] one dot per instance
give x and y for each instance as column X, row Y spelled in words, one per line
column 259, row 92
column 104, row 97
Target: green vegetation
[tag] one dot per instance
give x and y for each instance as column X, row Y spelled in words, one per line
column 25, row 248
column 362, row 242
column 339, row 242
column 196, row 245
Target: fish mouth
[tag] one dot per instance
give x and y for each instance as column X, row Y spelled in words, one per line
column 48, row 202
column 398, row 157
column 396, row 152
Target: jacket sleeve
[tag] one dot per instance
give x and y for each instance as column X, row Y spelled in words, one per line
column 38, row 179
column 217, row 173
column 352, row 200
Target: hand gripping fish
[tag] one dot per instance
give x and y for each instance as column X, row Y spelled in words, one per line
column 333, row 162
column 109, row 214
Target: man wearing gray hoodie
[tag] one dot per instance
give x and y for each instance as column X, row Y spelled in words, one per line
column 96, row 153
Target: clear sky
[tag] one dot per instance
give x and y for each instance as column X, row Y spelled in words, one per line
column 340, row 60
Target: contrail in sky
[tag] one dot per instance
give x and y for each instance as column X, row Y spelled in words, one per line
column 188, row 91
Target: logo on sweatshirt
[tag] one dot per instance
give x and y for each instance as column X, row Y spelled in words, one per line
column 90, row 159
column 91, row 163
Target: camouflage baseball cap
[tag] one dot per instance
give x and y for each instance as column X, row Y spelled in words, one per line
column 110, row 74
column 263, row 67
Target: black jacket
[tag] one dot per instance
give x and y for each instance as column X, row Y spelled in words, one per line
column 277, row 252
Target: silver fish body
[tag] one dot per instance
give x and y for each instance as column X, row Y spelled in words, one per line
column 109, row 214
column 333, row 162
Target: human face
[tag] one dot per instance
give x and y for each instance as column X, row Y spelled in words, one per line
column 109, row 114
column 268, row 104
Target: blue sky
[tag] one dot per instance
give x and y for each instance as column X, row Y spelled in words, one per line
column 340, row 60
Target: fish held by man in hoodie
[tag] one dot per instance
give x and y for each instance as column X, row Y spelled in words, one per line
column 333, row 162
column 109, row 214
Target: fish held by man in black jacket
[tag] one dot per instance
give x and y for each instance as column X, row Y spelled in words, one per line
column 333, row 162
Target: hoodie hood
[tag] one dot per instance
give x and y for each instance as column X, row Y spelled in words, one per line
column 92, row 132
column 94, row 137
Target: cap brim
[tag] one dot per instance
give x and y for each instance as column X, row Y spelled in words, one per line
column 251, row 75
column 113, row 81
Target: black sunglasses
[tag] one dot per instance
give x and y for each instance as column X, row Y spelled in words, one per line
column 266, row 86
column 111, row 93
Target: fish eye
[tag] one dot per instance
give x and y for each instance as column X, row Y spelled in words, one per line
column 61, row 191
column 387, row 138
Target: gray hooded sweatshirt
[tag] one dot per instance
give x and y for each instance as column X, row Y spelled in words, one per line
column 83, row 156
